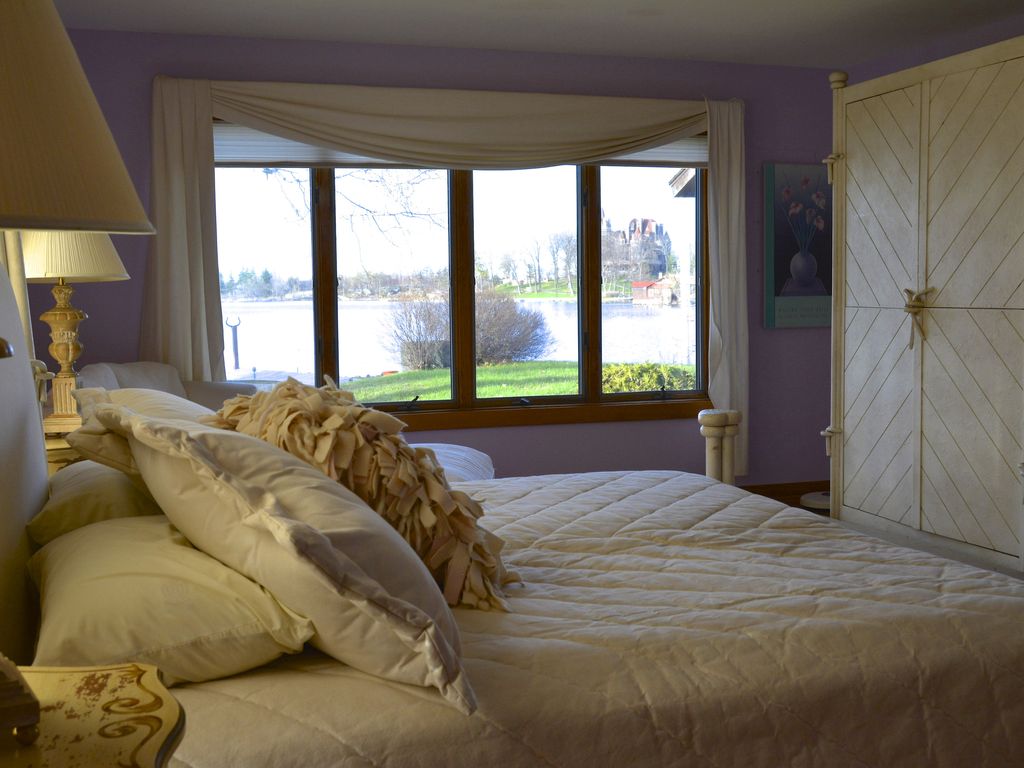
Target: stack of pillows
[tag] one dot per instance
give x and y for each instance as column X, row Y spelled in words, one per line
column 206, row 550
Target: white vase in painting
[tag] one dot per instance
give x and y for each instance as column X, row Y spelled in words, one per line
column 803, row 268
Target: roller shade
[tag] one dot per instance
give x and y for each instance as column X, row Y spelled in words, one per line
column 241, row 146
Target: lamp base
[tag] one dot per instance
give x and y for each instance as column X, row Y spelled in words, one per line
column 62, row 395
column 63, row 320
column 65, row 348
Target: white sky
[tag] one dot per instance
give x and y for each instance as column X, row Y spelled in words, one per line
column 263, row 221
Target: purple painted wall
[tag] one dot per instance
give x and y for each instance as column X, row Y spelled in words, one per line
column 788, row 119
column 963, row 40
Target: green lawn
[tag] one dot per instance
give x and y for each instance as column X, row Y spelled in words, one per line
column 547, row 291
column 533, row 379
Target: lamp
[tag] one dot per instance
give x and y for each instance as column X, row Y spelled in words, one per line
column 53, row 257
column 61, row 166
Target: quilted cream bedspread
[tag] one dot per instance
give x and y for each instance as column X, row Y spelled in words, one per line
column 667, row 620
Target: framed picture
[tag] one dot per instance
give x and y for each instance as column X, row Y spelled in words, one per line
column 798, row 246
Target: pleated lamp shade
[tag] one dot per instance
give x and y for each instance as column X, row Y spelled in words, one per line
column 77, row 257
column 61, row 167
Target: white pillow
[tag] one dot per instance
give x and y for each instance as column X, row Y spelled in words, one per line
column 134, row 589
column 460, row 462
column 86, row 492
column 149, row 402
column 312, row 543
column 105, row 447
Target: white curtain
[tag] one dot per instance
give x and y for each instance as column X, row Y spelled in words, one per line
column 181, row 322
column 12, row 261
column 728, row 374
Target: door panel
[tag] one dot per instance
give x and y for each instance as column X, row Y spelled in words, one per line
column 975, row 235
column 972, row 367
column 882, row 190
column 879, row 422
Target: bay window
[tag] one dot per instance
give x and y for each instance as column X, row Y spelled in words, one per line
column 466, row 298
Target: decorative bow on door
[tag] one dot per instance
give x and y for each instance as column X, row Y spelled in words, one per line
column 914, row 306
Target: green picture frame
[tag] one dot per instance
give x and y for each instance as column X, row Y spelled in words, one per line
column 797, row 246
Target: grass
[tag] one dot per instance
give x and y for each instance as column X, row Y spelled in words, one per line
column 547, row 290
column 533, row 379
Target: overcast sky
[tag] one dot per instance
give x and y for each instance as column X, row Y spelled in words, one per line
column 263, row 220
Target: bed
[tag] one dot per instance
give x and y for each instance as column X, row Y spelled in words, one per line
column 662, row 619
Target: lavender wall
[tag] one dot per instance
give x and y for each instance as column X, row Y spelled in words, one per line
column 962, row 40
column 788, row 118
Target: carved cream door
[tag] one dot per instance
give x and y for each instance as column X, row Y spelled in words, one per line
column 880, row 393
column 973, row 358
column 931, row 388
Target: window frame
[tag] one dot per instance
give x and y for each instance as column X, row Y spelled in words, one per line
column 465, row 410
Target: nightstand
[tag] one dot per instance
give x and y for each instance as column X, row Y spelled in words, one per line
column 118, row 715
column 59, row 453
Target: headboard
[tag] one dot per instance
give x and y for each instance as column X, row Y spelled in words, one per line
column 23, row 483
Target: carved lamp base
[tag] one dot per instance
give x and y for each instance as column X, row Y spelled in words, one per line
column 65, row 349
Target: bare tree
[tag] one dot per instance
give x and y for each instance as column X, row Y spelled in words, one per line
column 563, row 246
column 510, row 269
column 535, row 262
column 556, row 260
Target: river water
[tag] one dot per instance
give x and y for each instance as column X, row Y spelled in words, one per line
column 276, row 337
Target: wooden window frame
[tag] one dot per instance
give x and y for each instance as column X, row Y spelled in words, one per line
column 464, row 410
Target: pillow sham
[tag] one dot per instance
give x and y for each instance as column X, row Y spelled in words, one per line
column 86, row 492
column 461, row 463
column 133, row 589
column 362, row 449
column 100, row 445
column 149, row 402
column 316, row 547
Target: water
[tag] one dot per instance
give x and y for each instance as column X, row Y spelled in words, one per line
column 276, row 337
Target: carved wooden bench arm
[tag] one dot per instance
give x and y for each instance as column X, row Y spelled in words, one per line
column 719, row 428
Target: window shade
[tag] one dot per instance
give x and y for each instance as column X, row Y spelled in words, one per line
column 239, row 145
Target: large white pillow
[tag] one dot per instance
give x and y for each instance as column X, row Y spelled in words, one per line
column 312, row 543
column 86, row 492
column 133, row 589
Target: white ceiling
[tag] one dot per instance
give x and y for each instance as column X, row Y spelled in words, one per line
column 810, row 33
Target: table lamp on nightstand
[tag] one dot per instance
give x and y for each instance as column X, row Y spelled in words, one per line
column 56, row 257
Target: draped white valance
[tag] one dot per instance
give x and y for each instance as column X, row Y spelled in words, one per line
column 417, row 127
column 458, row 129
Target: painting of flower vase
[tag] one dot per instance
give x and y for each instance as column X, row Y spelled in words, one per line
column 798, row 246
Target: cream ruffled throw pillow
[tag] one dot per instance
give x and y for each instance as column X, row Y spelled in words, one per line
column 361, row 448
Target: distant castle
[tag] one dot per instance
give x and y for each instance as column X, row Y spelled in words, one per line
column 647, row 244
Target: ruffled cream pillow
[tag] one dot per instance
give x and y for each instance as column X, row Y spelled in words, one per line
column 362, row 449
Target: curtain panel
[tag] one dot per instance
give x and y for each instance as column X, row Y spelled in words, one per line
column 181, row 322
column 12, row 261
column 419, row 127
column 728, row 376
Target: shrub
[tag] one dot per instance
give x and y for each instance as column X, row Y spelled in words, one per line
column 646, row 377
column 506, row 332
column 419, row 330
